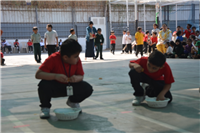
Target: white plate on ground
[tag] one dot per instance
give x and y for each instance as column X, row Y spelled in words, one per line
column 151, row 101
column 67, row 113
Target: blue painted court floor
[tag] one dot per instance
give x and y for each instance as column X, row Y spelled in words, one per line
column 109, row 109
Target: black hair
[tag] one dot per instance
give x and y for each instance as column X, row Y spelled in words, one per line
column 49, row 25
column 177, row 40
column 16, row 40
column 139, row 28
column 168, row 28
column 112, row 31
column 167, row 43
column 91, row 23
column 124, row 31
column 178, row 27
column 71, row 30
column 189, row 25
column 157, row 58
column 190, row 40
column 35, row 28
column 155, row 33
column 147, row 32
column 184, row 43
column 70, row 47
column 172, row 43
column 178, row 33
column 194, row 27
column 99, row 29
column 156, row 25
column 160, row 28
column 193, row 37
column 197, row 31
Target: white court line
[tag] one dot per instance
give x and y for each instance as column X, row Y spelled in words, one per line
column 143, row 118
column 13, row 119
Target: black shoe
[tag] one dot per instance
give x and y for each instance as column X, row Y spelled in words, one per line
column 102, row 58
column 94, row 58
column 39, row 61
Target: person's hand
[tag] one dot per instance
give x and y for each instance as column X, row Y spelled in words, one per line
column 160, row 97
column 95, row 46
column 95, row 36
column 176, row 55
column 45, row 46
column 137, row 68
column 73, row 79
column 91, row 35
column 101, row 43
column 62, row 78
column 57, row 45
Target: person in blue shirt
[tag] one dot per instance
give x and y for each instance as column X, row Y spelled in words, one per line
column 179, row 36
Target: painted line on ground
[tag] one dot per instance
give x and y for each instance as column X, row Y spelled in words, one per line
column 15, row 121
column 142, row 117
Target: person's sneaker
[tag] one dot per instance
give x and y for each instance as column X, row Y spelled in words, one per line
column 137, row 101
column 102, row 58
column 45, row 113
column 74, row 105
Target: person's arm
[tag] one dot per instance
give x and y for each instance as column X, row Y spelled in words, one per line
column 102, row 40
column 45, row 39
column 136, row 66
column 51, row 76
column 57, row 41
column 161, row 95
column 76, row 78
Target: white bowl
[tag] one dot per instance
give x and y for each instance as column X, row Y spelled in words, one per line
column 66, row 113
column 151, row 101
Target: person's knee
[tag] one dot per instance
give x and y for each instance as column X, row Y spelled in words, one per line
column 133, row 73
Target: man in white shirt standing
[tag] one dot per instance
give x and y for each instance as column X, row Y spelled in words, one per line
column 49, row 39
column 128, row 42
column 124, row 42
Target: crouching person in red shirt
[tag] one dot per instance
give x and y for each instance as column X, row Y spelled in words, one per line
column 155, row 72
column 59, row 73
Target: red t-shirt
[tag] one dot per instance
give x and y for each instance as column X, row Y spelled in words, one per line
column 154, row 39
column 162, row 74
column 16, row 43
column 53, row 64
column 29, row 43
column 112, row 37
column 187, row 33
column 193, row 33
column 1, row 55
column 145, row 39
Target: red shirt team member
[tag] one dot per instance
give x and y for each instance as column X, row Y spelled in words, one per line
column 154, row 71
column 187, row 32
column 2, row 59
column 154, row 41
column 30, row 46
column 59, row 71
column 112, row 42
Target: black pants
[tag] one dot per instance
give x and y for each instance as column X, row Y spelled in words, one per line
column 145, row 47
column 30, row 48
column 155, row 86
column 51, row 49
column 169, row 55
column 152, row 48
column 99, row 50
column 126, row 50
column 54, row 89
column 139, row 48
column 37, row 51
column 42, row 48
column 3, row 49
column 17, row 47
column 129, row 46
column 9, row 48
column 113, row 48
column 2, row 61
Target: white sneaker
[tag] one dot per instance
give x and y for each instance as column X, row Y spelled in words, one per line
column 137, row 101
column 74, row 105
column 44, row 113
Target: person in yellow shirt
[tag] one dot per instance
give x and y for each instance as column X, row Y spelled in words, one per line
column 164, row 36
column 139, row 35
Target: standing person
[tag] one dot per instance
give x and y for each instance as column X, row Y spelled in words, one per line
column 155, row 29
column 16, row 44
column 145, row 39
column 90, row 36
column 99, row 40
column 128, row 42
column 59, row 44
column 112, row 42
column 35, row 38
column 2, row 59
column 42, row 45
column 61, row 71
column 193, row 31
column 164, row 36
column 72, row 35
column 30, row 46
column 139, row 41
column 124, row 42
column 154, row 41
column 3, row 46
column 187, row 32
column 49, row 39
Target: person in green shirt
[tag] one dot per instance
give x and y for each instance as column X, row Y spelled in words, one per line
column 35, row 38
column 72, row 35
column 99, row 40
column 198, row 46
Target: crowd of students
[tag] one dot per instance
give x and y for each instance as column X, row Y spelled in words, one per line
column 181, row 44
